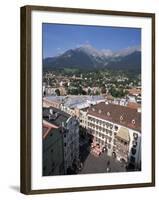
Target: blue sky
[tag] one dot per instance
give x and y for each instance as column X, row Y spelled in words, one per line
column 57, row 38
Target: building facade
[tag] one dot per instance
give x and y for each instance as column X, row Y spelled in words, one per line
column 116, row 128
column 71, row 143
column 53, row 154
column 69, row 128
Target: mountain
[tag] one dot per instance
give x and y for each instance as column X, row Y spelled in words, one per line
column 88, row 58
column 131, row 62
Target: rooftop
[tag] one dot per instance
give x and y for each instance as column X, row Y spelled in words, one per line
column 118, row 114
column 133, row 105
column 123, row 134
column 47, row 128
column 74, row 101
column 55, row 116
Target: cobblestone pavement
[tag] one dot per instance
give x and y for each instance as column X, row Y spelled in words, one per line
column 100, row 164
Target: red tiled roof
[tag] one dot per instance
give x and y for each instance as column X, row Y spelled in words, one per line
column 121, row 115
column 47, row 127
column 133, row 105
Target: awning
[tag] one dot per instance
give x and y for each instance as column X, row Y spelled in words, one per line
column 123, row 134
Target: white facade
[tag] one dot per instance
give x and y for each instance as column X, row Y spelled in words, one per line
column 105, row 134
column 48, row 90
column 83, row 118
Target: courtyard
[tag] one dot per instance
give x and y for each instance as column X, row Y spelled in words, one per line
column 98, row 164
column 101, row 164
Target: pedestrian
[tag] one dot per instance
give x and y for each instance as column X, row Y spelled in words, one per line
column 108, row 169
column 108, row 163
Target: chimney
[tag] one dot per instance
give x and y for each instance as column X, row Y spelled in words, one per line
column 56, row 114
column 51, row 111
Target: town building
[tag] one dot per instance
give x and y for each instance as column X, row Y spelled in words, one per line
column 117, row 129
column 52, row 101
column 48, row 90
column 53, row 158
column 69, row 128
column 72, row 104
column 135, row 91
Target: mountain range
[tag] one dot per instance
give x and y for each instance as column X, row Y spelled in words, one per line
column 87, row 57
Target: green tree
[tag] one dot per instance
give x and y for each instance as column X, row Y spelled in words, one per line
column 89, row 91
column 97, row 93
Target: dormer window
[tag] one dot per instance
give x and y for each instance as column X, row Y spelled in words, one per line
column 99, row 111
column 108, row 114
column 121, row 118
column 133, row 121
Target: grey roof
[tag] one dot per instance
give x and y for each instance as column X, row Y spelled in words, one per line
column 55, row 98
column 73, row 101
column 56, row 116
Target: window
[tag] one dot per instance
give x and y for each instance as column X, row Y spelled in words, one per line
column 121, row 118
column 116, row 128
column 132, row 159
column 135, row 135
column 99, row 111
column 110, row 139
column 133, row 151
column 110, row 133
column 114, row 149
column 53, row 164
column 134, row 143
column 108, row 114
column 51, row 150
